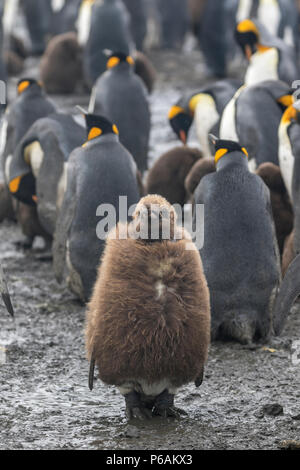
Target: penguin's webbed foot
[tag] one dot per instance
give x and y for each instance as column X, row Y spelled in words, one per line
column 164, row 406
column 135, row 408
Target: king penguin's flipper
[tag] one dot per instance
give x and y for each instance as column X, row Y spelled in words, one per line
column 91, row 374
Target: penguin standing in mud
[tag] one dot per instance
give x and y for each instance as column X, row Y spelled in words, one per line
column 30, row 105
column 252, row 117
column 98, row 173
column 167, row 176
column 240, row 254
column 41, row 159
column 149, row 332
column 120, row 95
column 109, row 29
column 269, row 57
column 5, row 294
column 205, row 107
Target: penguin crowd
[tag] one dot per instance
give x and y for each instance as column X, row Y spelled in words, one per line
column 154, row 297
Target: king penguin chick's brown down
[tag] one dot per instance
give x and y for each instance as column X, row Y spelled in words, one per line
column 148, row 321
column 281, row 205
column 168, row 173
column 198, row 171
column 61, row 65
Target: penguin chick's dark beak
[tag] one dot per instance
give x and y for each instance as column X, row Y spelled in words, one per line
column 8, row 304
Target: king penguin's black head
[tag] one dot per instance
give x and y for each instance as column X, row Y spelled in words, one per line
column 247, row 36
column 180, row 122
column 223, row 147
column 25, row 83
column 116, row 58
column 99, row 125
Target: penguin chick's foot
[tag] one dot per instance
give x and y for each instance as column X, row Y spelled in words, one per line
column 164, row 406
column 135, row 407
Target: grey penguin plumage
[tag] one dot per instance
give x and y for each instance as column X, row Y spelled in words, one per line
column 109, row 29
column 205, row 107
column 98, row 173
column 120, row 95
column 240, row 254
column 41, row 157
column 174, row 22
column 38, row 21
column 253, row 117
column 138, row 21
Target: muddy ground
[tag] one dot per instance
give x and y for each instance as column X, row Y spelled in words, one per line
column 45, row 402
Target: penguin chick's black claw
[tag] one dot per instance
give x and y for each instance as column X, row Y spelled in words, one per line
column 91, row 374
column 164, row 406
column 135, row 408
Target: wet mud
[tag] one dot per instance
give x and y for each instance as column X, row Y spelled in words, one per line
column 45, row 402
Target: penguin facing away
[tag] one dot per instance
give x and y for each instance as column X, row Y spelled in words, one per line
column 240, row 254
column 120, row 95
column 205, row 107
column 149, row 332
column 98, row 173
column 38, row 168
column 109, row 29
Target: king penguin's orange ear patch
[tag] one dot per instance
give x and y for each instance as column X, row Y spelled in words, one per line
column 22, row 86
column 112, row 62
column 94, row 132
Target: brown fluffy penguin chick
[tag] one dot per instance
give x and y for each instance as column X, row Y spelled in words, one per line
column 288, row 253
column 201, row 168
column 280, row 201
column 145, row 70
column 148, row 322
column 168, row 173
column 61, row 64
column 14, row 63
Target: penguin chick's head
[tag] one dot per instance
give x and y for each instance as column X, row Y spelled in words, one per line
column 247, row 37
column 223, row 147
column 98, row 125
column 116, row 58
column 25, row 83
column 154, row 219
column 180, row 122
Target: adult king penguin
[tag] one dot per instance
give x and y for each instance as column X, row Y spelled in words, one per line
column 240, row 254
column 41, row 160
column 98, row 173
column 109, row 29
column 120, row 95
column 252, row 117
column 205, row 107
column 269, row 57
